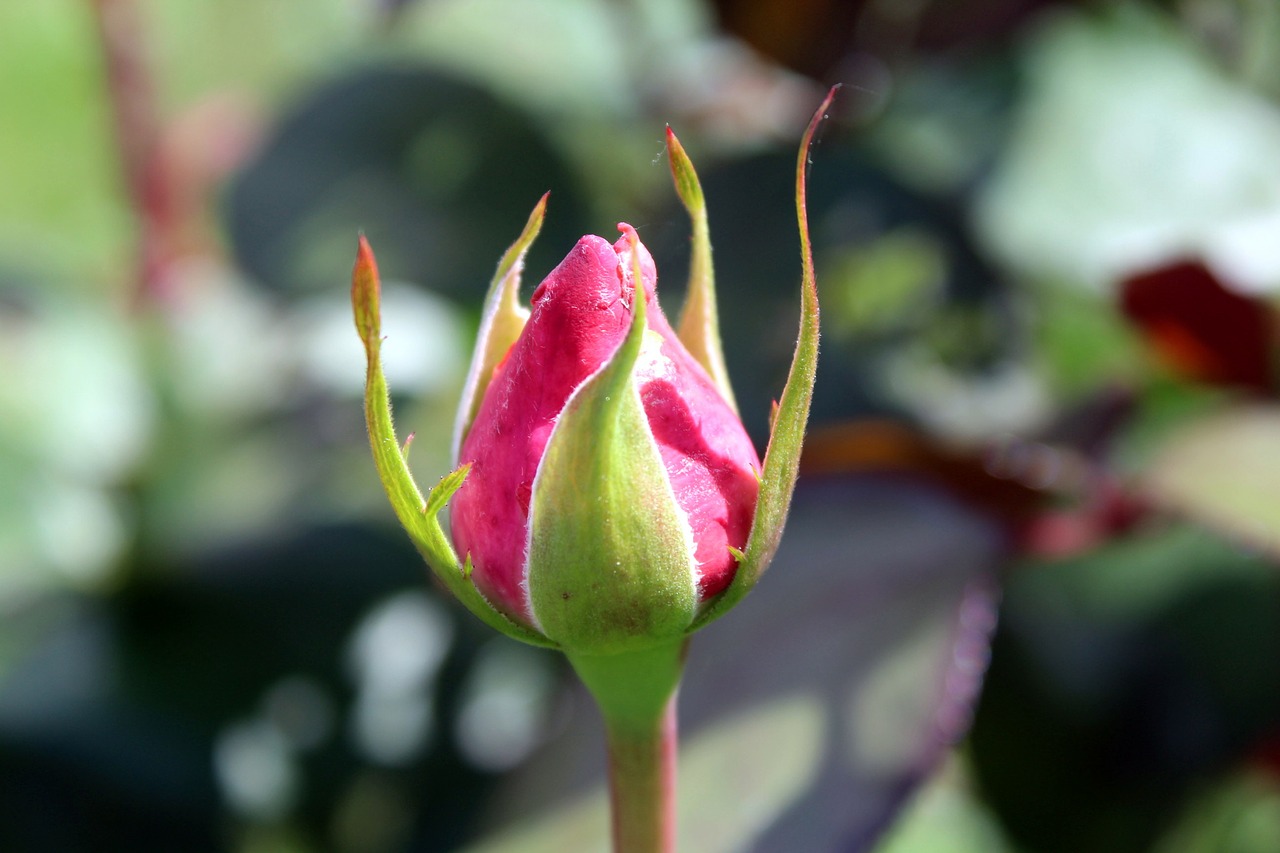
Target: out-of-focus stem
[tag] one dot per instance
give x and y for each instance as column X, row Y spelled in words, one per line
column 132, row 97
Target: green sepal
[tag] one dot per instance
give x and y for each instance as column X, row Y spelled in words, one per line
column 611, row 557
column 501, row 322
column 419, row 516
column 443, row 490
column 699, row 326
column 782, row 458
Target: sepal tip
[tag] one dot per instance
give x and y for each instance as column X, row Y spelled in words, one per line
column 789, row 415
column 501, row 322
column 366, row 294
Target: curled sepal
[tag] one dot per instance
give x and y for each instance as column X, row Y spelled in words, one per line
column 610, row 553
column 501, row 322
column 782, row 459
column 699, row 326
column 419, row 516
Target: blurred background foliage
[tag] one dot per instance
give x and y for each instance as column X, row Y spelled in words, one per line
column 1048, row 244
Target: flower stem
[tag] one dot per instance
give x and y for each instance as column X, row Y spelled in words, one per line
column 131, row 90
column 642, row 785
column 636, row 692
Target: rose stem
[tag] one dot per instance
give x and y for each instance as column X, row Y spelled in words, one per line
column 131, row 88
column 636, row 692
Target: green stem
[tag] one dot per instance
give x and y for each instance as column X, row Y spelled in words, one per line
column 642, row 785
column 636, row 693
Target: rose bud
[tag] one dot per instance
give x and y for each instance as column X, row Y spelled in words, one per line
column 607, row 499
column 609, row 477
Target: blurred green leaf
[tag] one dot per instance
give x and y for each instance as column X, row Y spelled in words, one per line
column 1240, row 815
column 947, row 816
column 891, row 282
column 63, row 207
column 1082, row 343
column 1224, row 471
column 60, row 207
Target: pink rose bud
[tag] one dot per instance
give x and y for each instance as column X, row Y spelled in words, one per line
column 705, row 476
column 607, row 498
